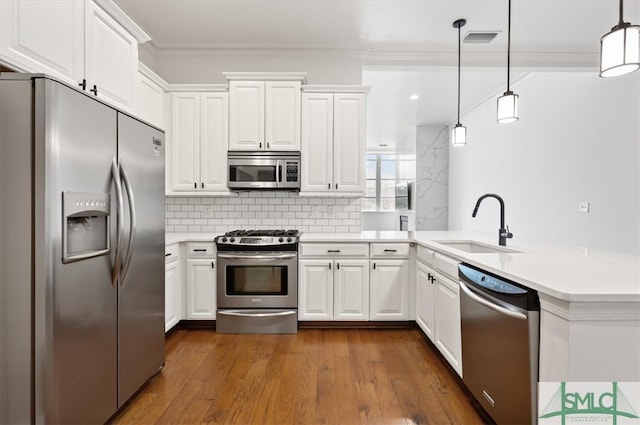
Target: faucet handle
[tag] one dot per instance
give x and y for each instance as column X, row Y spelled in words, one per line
column 507, row 234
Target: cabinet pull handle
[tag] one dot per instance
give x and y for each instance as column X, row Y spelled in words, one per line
column 202, row 185
column 83, row 84
column 338, row 266
column 94, row 90
column 268, row 145
column 195, row 185
column 213, row 266
column 329, row 266
column 167, row 255
column 328, row 185
column 333, row 250
column 374, row 266
column 200, row 250
column 336, row 186
column 390, row 250
column 260, row 145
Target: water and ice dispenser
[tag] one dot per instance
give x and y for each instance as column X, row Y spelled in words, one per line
column 86, row 230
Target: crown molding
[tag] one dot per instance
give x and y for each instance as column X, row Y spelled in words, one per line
column 335, row 89
column 265, row 76
column 123, row 19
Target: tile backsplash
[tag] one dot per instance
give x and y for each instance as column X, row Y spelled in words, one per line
column 262, row 210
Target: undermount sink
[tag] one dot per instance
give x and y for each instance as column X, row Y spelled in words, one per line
column 475, row 247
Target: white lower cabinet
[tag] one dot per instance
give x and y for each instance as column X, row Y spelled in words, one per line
column 331, row 289
column 201, row 281
column 173, row 299
column 389, row 289
column 448, row 337
column 425, row 299
column 438, row 308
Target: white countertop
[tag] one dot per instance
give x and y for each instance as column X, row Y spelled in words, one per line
column 566, row 273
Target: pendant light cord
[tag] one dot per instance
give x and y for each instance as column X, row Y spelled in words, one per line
column 621, row 8
column 509, row 45
column 458, row 74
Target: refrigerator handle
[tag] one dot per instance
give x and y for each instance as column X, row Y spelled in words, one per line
column 119, row 223
column 132, row 221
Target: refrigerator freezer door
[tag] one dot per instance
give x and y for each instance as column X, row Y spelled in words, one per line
column 141, row 289
column 75, row 303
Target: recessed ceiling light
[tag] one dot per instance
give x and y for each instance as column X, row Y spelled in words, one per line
column 414, row 97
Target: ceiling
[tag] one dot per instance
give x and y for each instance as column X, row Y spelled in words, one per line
column 396, row 39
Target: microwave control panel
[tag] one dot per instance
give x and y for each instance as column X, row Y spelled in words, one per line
column 291, row 171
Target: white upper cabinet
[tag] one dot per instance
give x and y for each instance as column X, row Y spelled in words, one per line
column 333, row 141
column 44, row 36
column 153, row 102
column 79, row 42
column 264, row 111
column 111, row 58
column 198, row 153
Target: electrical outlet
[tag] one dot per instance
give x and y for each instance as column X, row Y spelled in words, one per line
column 331, row 211
column 583, row 207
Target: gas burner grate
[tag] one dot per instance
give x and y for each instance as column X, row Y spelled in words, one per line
column 279, row 232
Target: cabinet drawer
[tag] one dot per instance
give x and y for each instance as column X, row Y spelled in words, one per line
column 389, row 249
column 201, row 250
column 171, row 253
column 425, row 255
column 446, row 265
column 334, row 250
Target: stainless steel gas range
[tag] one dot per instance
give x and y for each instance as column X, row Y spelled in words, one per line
column 257, row 289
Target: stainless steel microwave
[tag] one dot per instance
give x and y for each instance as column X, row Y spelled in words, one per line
column 264, row 170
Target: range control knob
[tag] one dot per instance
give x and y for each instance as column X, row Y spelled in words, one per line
column 280, row 239
column 289, row 239
column 224, row 239
column 232, row 240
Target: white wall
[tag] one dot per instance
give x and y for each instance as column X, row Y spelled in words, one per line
column 207, row 66
column 577, row 140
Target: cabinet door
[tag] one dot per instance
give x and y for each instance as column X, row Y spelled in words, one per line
column 111, row 58
column 425, row 297
column 389, row 290
column 317, row 142
column 315, row 290
column 349, row 142
column 447, row 323
column 185, row 142
column 246, row 115
column 201, row 289
column 44, row 36
column 214, row 136
column 351, row 290
column 282, row 115
column 150, row 103
column 172, row 298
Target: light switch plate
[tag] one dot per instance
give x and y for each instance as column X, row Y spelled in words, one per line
column 583, row 207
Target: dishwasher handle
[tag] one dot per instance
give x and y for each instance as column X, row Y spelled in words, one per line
column 489, row 304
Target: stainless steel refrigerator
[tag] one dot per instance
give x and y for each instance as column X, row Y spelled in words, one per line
column 81, row 254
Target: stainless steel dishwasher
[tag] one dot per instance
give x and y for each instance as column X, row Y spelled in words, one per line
column 500, row 338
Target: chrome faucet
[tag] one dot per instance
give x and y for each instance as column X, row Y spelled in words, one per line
column 503, row 232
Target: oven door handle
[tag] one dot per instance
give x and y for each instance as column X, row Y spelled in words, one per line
column 241, row 314
column 258, row 257
column 489, row 304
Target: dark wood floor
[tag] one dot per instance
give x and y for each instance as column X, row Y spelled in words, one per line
column 318, row 376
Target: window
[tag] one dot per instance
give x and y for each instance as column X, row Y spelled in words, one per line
column 383, row 172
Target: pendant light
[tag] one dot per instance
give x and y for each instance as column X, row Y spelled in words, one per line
column 459, row 131
column 508, row 102
column 620, row 49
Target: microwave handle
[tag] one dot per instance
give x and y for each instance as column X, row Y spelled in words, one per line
column 279, row 172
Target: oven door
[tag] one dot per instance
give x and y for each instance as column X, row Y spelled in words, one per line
column 257, row 280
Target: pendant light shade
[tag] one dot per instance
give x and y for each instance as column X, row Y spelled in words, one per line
column 459, row 131
column 459, row 135
column 620, row 49
column 508, row 107
column 508, row 102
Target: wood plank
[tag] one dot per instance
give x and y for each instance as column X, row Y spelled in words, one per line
column 317, row 376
